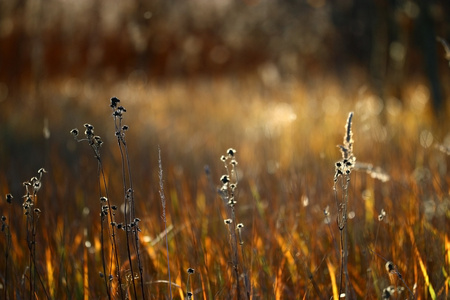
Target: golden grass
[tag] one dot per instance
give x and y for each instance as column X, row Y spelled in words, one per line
column 286, row 140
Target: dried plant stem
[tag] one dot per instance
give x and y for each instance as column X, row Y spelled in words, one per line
column 128, row 217
column 163, row 204
column 233, row 245
column 129, row 203
column 7, row 249
column 102, row 243
column 343, row 230
column 343, row 170
column 102, row 177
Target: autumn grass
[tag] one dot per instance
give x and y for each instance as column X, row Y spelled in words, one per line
column 286, row 143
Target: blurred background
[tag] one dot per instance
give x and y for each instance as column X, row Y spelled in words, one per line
column 194, row 70
column 213, row 74
column 383, row 43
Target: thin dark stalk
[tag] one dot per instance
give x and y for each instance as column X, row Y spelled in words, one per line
column 30, row 258
column 245, row 271
column 127, row 218
column 102, row 240
column 233, row 244
column 227, row 192
column 7, row 249
column 113, row 235
column 7, row 231
column 128, row 195
column 102, row 243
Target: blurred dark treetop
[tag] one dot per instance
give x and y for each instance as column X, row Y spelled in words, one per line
column 389, row 42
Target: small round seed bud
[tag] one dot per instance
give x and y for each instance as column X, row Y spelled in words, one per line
column 225, row 179
column 231, row 152
column 74, row 132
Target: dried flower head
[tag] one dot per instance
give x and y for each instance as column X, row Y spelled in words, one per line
column 228, row 221
column 232, row 202
column 225, row 179
column 231, row 152
column 240, row 226
column 114, row 101
column 9, row 198
column 390, row 267
column 190, row 271
column 75, row 132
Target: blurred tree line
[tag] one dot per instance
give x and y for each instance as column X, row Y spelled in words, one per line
column 389, row 41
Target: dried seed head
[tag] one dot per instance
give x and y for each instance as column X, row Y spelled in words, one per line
column 390, row 267
column 231, row 152
column 225, row 179
column 74, row 132
column 9, row 198
column 228, row 221
column 37, row 186
column 125, row 127
column 114, row 101
column 3, row 218
column 240, row 226
column 190, row 271
column 103, row 199
column 232, row 202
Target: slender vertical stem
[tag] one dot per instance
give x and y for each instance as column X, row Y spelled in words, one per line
column 163, row 204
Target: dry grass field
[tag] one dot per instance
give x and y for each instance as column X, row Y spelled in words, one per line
column 244, row 160
column 285, row 141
